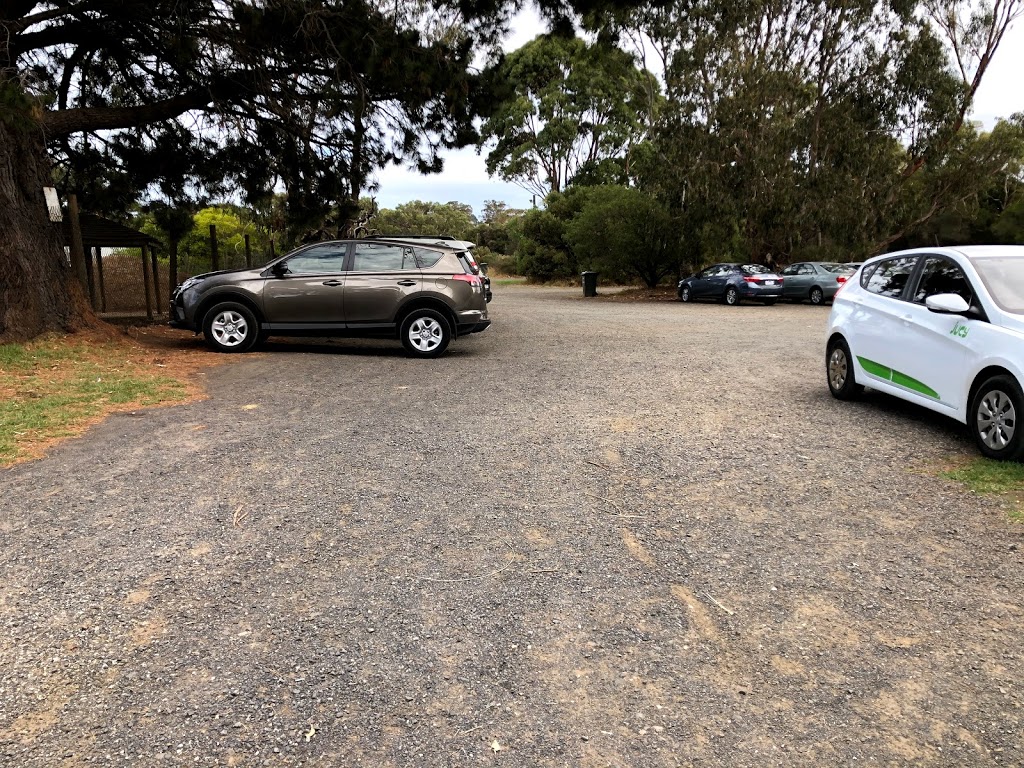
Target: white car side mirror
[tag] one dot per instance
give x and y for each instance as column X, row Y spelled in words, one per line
column 947, row 304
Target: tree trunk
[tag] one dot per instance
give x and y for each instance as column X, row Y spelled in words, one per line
column 38, row 290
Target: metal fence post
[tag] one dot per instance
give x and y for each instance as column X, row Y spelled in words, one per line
column 214, row 259
column 156, row 280
column 99, row 274
column 146, row 281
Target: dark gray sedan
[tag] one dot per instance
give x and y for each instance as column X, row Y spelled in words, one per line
column 815, row 281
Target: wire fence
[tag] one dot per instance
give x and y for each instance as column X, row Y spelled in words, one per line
column 120, row 279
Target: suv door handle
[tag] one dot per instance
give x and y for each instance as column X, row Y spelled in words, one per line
column 407, row 282
column 332, row 282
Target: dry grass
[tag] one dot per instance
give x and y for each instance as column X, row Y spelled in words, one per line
column 57, row 386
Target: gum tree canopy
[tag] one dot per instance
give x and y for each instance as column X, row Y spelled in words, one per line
column 110, row 97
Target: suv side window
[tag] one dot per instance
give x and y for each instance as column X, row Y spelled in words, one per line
column 318, row 260
column 941, row 275
column 427, row 258
column 382, row 257
column 889, row 277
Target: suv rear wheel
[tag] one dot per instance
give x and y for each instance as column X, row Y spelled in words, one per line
column 425, row 333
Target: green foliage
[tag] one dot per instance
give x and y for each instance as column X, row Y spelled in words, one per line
column 425, row 218
column 568, row 106
column 541, row 252
column 792, row 128
column 621, row 232
column 624, row 234
column 195, row 254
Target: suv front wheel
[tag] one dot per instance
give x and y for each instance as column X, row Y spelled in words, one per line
column 425, row 333
column 231, row 327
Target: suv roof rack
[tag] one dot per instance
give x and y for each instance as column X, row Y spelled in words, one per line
column 410, row 237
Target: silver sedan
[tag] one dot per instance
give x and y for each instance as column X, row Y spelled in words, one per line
column 815, row 281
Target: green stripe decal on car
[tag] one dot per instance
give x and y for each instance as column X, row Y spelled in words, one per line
column 897, row 378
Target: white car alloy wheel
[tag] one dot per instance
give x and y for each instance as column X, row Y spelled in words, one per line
column 229, row 328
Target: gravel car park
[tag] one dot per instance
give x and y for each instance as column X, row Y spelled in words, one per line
column 602, row 533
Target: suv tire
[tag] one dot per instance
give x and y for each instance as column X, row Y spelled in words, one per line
column 230, row 327
column 425, row 333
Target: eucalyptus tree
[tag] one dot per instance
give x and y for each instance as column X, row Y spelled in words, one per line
column 568, row 106
column 796, row 125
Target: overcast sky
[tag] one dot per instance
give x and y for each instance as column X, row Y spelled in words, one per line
column 465, row 176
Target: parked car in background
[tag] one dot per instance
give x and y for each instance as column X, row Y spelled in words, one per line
column 426, row 295
column 815, row 281
column 942, row 328
column 732, row 283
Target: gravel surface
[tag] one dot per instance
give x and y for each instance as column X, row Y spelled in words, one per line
column 600, row 534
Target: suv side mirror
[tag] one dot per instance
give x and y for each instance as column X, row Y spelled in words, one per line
column 279, row 269
column 947, row 304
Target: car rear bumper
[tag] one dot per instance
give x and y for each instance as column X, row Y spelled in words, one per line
column 465, row 328
column 762, row 292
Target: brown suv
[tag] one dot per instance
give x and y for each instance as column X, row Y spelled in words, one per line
column 426, row 295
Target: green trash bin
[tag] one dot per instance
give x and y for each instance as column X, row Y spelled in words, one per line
column 590, row 284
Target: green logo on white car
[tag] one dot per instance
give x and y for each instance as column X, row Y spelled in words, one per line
column 959, row 330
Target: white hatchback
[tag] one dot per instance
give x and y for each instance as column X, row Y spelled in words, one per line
column 940, row 327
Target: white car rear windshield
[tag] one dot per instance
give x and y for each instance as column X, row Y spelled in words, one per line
column 1004, row 278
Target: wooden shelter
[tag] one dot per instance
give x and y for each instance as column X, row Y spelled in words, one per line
column 98, row 233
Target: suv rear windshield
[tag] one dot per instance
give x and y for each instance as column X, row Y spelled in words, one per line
column 469, row 263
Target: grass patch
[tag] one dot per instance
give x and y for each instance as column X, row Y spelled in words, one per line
column 993, row 478
column 508, row 280
column 57, row 386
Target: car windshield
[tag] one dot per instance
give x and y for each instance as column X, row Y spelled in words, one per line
column 837, row 268
column 755, row 269
column 1004, row 278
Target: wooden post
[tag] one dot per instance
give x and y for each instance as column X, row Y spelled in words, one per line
column 248, row 253
column 214, row 258
column 156, row 281
column 272, row 254
column 145, row 280
column 172, row 268
column 77, row 249
column 99, row 274
column 91, row 279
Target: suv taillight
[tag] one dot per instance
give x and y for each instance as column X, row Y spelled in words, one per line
column 471, row 279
